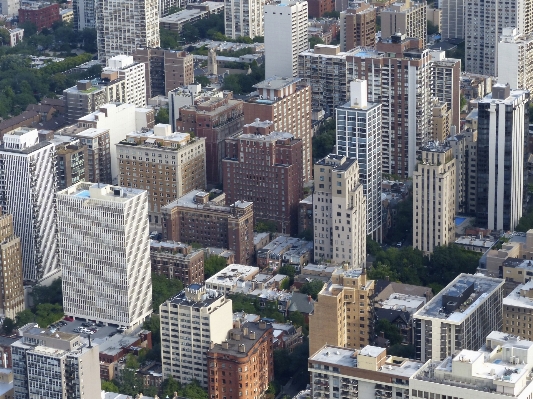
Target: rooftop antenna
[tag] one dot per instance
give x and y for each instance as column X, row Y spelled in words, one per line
column 89, row 336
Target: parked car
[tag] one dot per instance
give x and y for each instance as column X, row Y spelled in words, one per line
column 68, row 318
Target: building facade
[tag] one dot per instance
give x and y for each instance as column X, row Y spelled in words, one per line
column 502, row 122
column 339, row 212
column 27, row 191
column 445, row 83
column 516, row 306
column 285, row 37
column 194, row 218
column 123, row 27
column 104, row 252
column 459, row 317
column 358, row 27
column 243, row 18
column 453, row 19
column 72, row 365
column 247, row 356
column 176, row 260
column 434, row 184
column 41, row 14
column 165, row 69
column 409, row 19
column 266, row 169
column 71, row 164
column 183, row 158
column 287, row 103
column 345, row 306
column 358, row 127
column 133, row 74
column 191, row 322
column 11, row 281
column 515, row 59
column 84, row 14
column 214, row 119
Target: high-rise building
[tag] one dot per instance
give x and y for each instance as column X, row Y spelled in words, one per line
column 205, row 318
column 515, row 59
column 405, row 122
column 183, row 158
column 243, row 18
column 324, row 69
column 41, row 14
column 502, row 122
column 317, row 8
column 71, row 161
column 358, row 27
column 27, row 191
column 453, row 19
column 409, row 19
column 498, row 369
column 84, row 14
column 104, row 253
column 515, row 306
column 345, row 306
column 339, row 212
column 459, row 317
column 358, row 127
column 176, row 260
column 214, row 119
column 166, row 6
column 484, row 26
column 287, row 103
column 71, row 363
column 286, row 36
column 248, row 352
column 265, row 167
column 165, row 69
column 445, row 83
column 9, row 7
column 11, row 281
column 464, row 146
column 133, row 74
column 441, row 119
column 123, row 26
column 185, row 96
column 434, row 184
column 194, row 218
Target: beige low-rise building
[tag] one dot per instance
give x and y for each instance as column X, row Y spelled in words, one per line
column 518, row 249
column 345, row 307
column 517, row 311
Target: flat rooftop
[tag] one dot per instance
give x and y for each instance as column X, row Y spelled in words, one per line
column 521, row 301
column 232, row 274
column 276, row 83
column 483, row 288
column 188, row 201
column 335, row 161
column 206, row 301
column 273, row 136
column 100, row 191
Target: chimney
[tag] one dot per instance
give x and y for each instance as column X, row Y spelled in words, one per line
column 211, row 344
column 309, row 297
column 225, row 345
column 252, row 335
column 262, row 325
column 238, row 323
column 245, row 331
column 242, row 348
column 358, row 94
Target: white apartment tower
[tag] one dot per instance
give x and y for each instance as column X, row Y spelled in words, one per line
column 286, row 36
column 243, row 18
column 104, row 252
column 502, row 120
column 133, row 74
column 122, row 26
column 407, row 18
column 453, row 19
column 515, row 59
column 434, row 183
column 27, row 191
column 84, row 14
column 339, row 211
column 9, row 8
column 190, row 322
column 484, row 23
column 359, row 136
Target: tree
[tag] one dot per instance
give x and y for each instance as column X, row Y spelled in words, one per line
column 332, row 14
column 30, row 28
column 5, row 38
column 162, row 116
column 290, row 271
column 203, row 80
column 297, row 318
column 48, row 313
column 52, row 293
column 213, row 264
column 372, row 247
column 8, row 326
column 313, row 40
column 24, row 317
column 108, row 386
column 164, row 288
column 266, row 226
column 129, row 383
column 312, row 288
column 243, row 303
column 324, row 140
column 391, row 332
column 259, row 39
column 432, row 28
column 132, row 362
column 169, row 387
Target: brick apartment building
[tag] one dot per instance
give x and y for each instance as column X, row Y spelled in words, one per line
column 358, row 27
column 287, row 103
column 165, row 69
column 317, row 8
column 194, row 218
column 265, row 167
column 71, row 162
column 243, row 365
column 43, row 15
column 176, row 260
column 216, row 119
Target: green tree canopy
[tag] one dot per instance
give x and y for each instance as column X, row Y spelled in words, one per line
column 312, row 288
column 8, row 326
column 52, row 293
column 24, row 317
column 391, row 332
column 163, row 289
column 213, row 264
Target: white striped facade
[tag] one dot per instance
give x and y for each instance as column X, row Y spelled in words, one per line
column 104, row 253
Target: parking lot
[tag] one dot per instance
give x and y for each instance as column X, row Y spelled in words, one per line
column 101, row 333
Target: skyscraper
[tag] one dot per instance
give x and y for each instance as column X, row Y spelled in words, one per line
column 453, row 19
column 409, row 19
column 339, row 212
column 358, row 27
column 502, row 122
column 27, row 191
column 84, row 14
column 105, row 254
column 515, row 59
column 243, row 18
column 286, row 36
column 445, row 82
column 122, row 26
column 11, row 287
column 359, row 136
